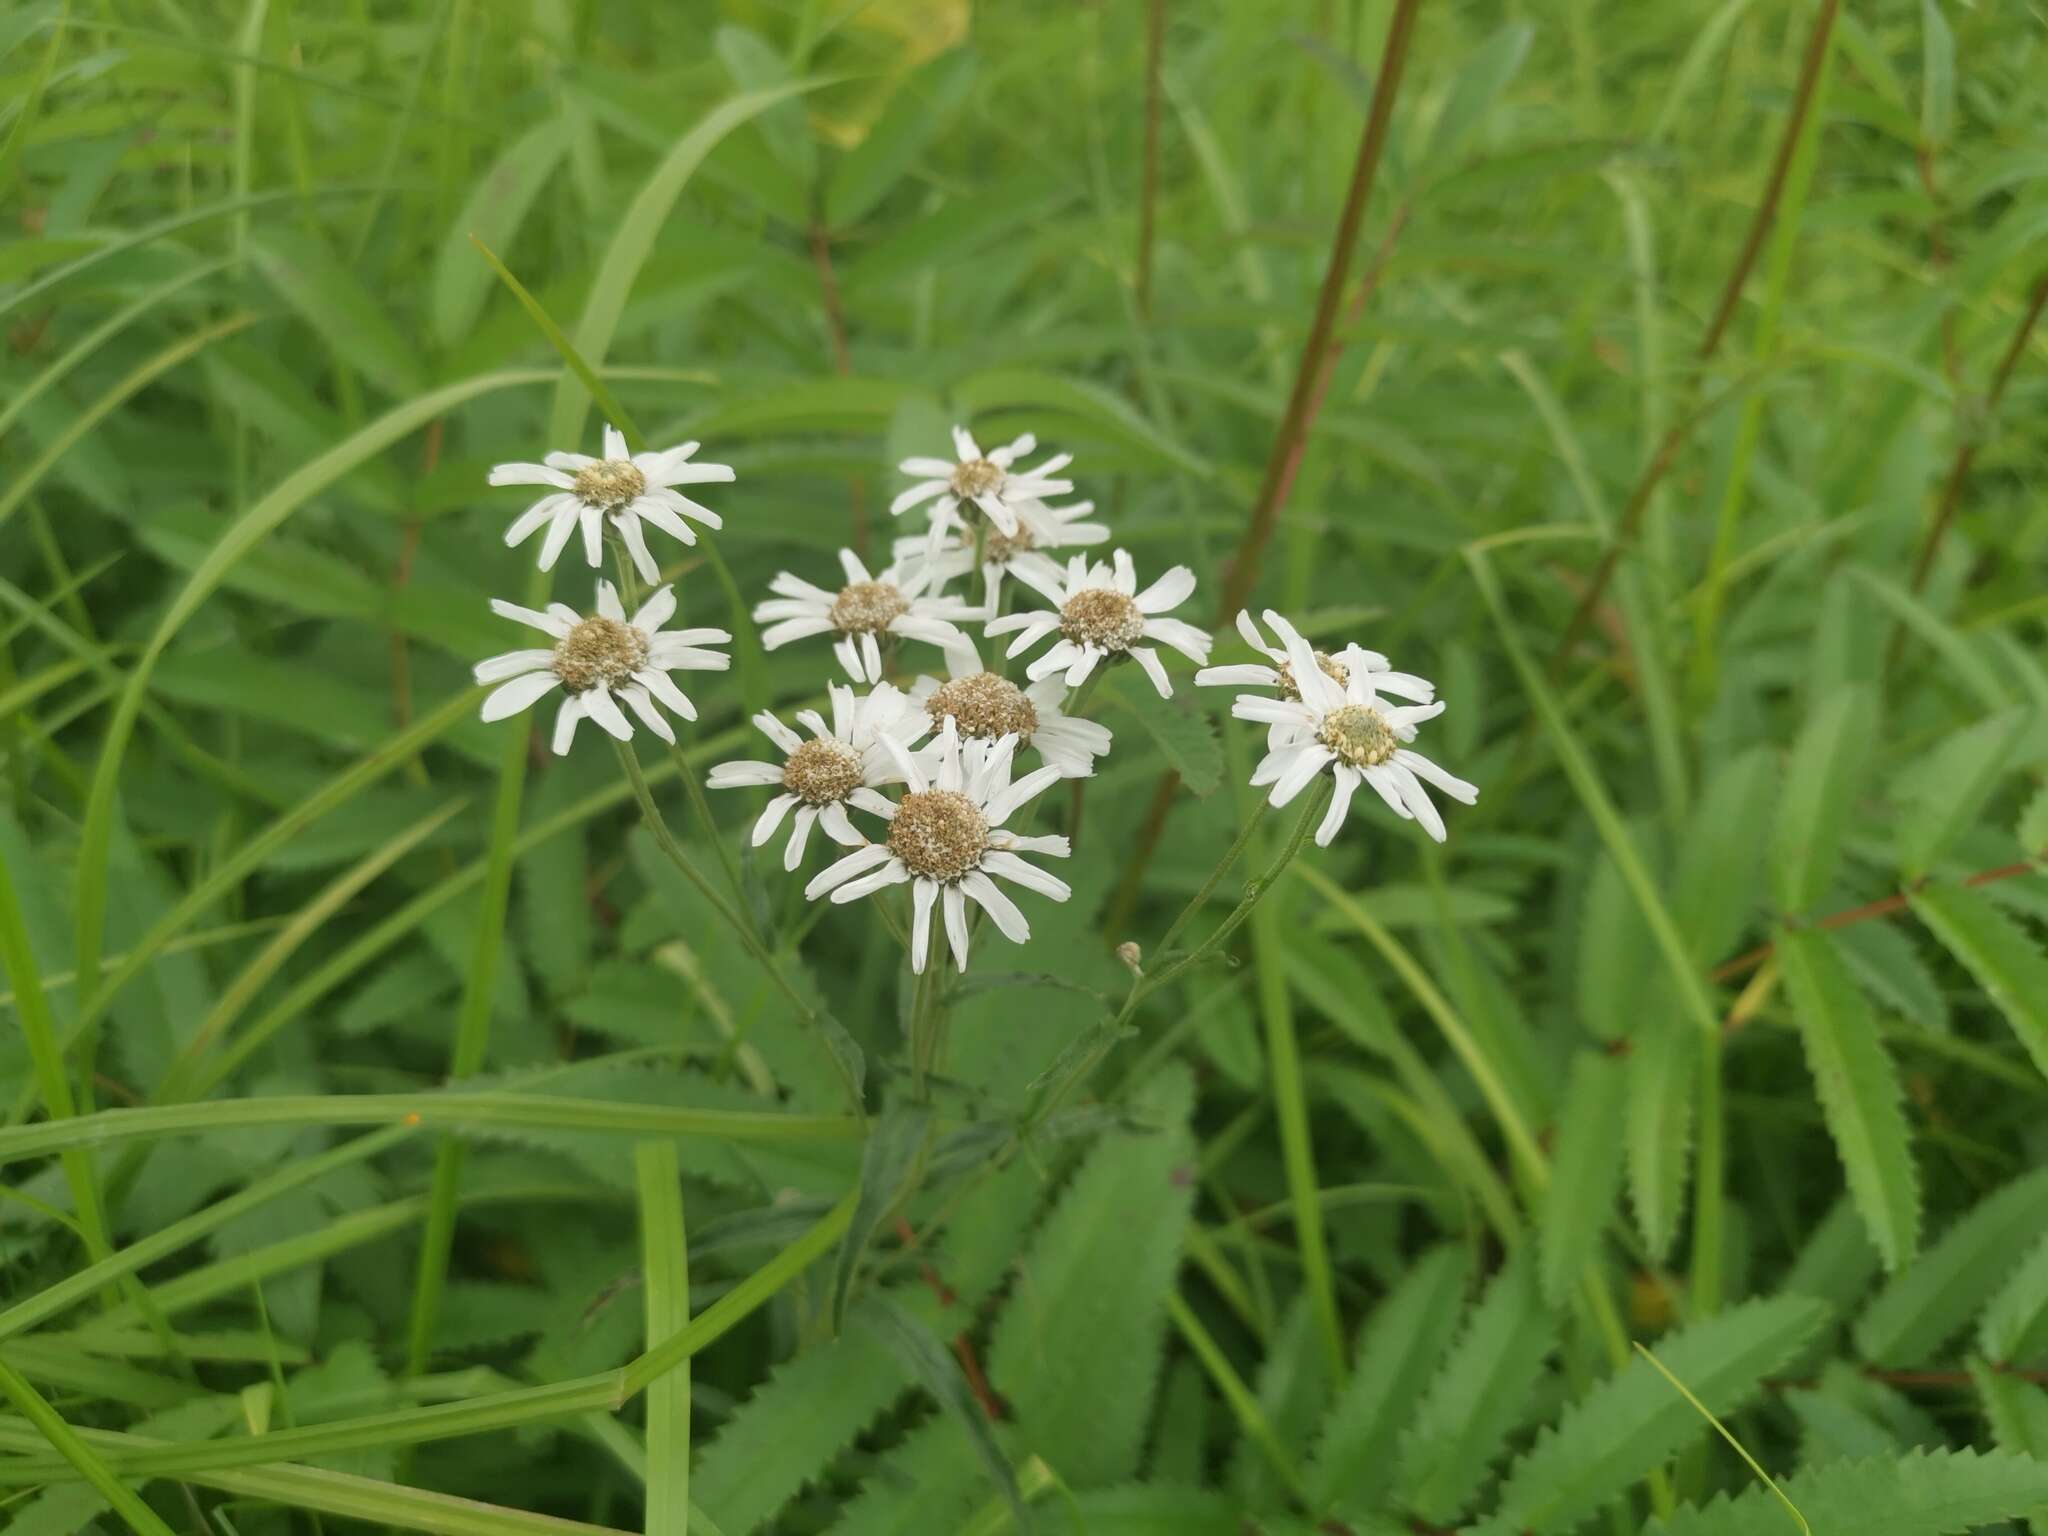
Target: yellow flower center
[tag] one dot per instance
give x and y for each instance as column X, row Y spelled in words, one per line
column 977, row 477
column 1329, row 665
column 599, row 652
column 867, row 607
column 1358, row 735
column 939, row 834
column 1102, row 617
column 822, row 771
column 609, row 483
column 986, row 706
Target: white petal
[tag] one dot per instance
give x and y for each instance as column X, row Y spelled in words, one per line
column 1168, row 592
column 1417, row 800
column 528, row 474
column 799, row 834
column 742, row 775
column 1148, row 658
column 858, row 862
column 771, row 817
column 922, row 492
column 656, row 611
column 636, row 546
column 608, row 602
column 495, row 669
column 1245, row 676
column 956, row 924
column 1305, row 766
column 663, row 688
column 1450, row 784
column 1340, row 802
column 601, row 707
column 565, row 723
column 998, row 906
column 514, row 696
column 839, row 826
column 614, row 442
column 1030, row 876
column 637, row 701
column 922, row 894
column 593, row 538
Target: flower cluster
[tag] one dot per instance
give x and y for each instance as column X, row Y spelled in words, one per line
column 947, row 745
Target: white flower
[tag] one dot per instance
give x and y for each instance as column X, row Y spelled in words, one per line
column 1039, row 528
column 979, row 486
column 840, row 765
column 946, row 839
column 892, row 603
column 1279, row 675
column 1346, row 728
column 600, row 660
column 1100, row 614
column 986, row 706
column 627, row 488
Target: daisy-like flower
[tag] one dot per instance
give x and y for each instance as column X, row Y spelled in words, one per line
column 946, row 839
column 979, row 487
column 628, row 488
column 1347, row 728
column 1280, row 675
column 894, row 603
column 1040, row 528
column 986, row 706
column 601, row 660
column 840, row 765
column 1100, row 615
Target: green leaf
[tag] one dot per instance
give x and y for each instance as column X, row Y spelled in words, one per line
column 2002, row 956
column 1663, row 1067
column 1945, row 789
column 333, row 301
column 1942, row 1494
column 1399, row 1350
column 1095, row 410
column 1585, row 1172
column 1859, row 1090
column 496, row 208
column 1484, row 76
column 927, row 1362
column 2015, row 1325
column 1938, row 78
column 894, row 1140
column 1077, row 1350
column 786, row 1433
column 1821, row 784
column 1929, row 1302
column 1889, row 967
column 1478, row 1397
column 1183, row 734
column 913, row 118
column 1633, row 1422
column 1614, row 955
column 665, row 1287
column 1718, row 885
column 2032, row 830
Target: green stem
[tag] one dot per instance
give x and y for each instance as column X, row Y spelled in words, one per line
column 666, row 841
column 1230, row 858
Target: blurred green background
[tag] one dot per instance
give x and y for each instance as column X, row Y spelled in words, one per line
column 1734, row 585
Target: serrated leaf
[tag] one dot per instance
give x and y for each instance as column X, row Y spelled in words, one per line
column 2032, row 830
column 1292, row 1386
column 333, row 301
column 1937, row 78
column 1585, row 1172
column 1929, row 1302
column 1891, row 971
column 1943, row 790
column 1479, row 1396
column 915, row 113
column 926, row 1361
column 1485, row 74
column 1398, row 1352
column 1859, row 1090
column 1942, row 1494
column 1076, row 1352
column 787, row 1432
column 2015, row 1326
column 1719, row 881
column 1632, row 1423
column 1662, row 1068
column 1183, row 734
column 1821, row 783
column 1157, row 1509
column 1998, row 952
column 496, row 207
column 1614, row 955
column 894, row 1140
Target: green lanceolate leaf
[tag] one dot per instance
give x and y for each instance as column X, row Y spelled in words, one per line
column 1662, row 1069
column 1943, row 791
column 1929, row 1302
column 893, row 1145
column 2015, row 1325
column 1821, row 784
column 2004, row 958
column 1478, row 1397
column 1941, row 1494
column 1632, row 1423
column 1859, row 1091
column 1585, row 1171
column 1399, row 1351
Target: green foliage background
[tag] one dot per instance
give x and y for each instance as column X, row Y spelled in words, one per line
column 1719, row 1026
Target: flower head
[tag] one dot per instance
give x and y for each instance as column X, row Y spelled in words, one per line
column 839, row 765
column 894, row 602
column 1337, row 665
column 1040, row 529
column 1100, row 615
column 600, row 660
column 986, row 706
column 946, row 839
column 1347, row 728
column 627, row 488
column 979, row 487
